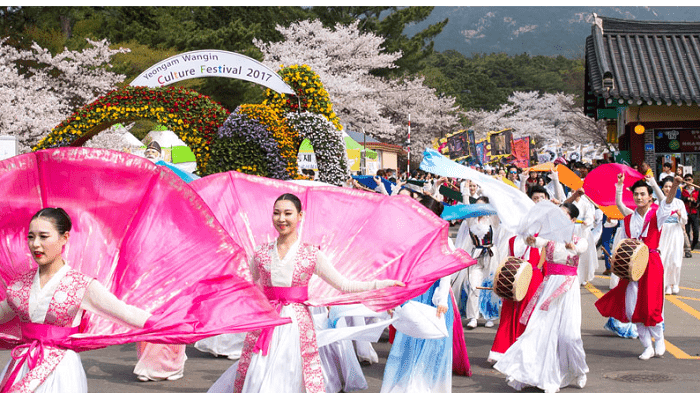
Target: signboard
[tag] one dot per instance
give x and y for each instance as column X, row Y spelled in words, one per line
column 648, row 147
column 676, row 140
column 8, row 146
column 211, row 63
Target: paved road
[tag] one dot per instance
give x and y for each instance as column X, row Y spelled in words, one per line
column 613, row 361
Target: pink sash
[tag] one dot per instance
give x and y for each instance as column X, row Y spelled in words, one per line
column 278, row 297
column 552, row 269
column 35, row 336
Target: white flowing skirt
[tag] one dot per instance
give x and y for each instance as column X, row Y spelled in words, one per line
column 549, row 354
column 279, row 372
column 68, row 376
column 229, row 345
column 671, row 251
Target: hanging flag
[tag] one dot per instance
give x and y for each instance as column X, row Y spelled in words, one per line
column 521, row 152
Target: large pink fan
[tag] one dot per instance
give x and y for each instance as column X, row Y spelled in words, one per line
column 366, row 236
column 143, row 233
column 600, row 184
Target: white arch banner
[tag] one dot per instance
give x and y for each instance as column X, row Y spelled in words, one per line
column 211, row 63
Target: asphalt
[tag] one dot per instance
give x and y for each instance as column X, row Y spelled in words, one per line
column 613, row 362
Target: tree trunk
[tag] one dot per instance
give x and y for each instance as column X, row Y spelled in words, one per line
column 66, row 26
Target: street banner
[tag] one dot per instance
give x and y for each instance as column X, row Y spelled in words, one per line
column 211, row 63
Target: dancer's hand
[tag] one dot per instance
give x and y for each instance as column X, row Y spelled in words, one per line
column 441, row 310
column 530, row 240
column 398, row 284
column 620, row 179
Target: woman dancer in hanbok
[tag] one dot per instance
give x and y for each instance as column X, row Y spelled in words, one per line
column 549, row 354
column 286, row 358
column 426, row 365
column 50, row 301
column 477, row 235
column 510, row 327
column 672, row 239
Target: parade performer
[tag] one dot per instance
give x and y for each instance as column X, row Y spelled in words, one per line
column 426, row 365
column 690, row 196
column 549, row 354
column 50, row 301
column 589, row 260
column 672, row 240
column 158, row 362
column 120, row 204
column 509, row 326
column 642, row 302
column 478, row 235
column 283, row 268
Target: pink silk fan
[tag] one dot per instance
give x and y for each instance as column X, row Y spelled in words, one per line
column 143, row 233
column 366, row 236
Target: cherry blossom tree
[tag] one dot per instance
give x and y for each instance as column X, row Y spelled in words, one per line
column 344, row 57
column 547, row 117
column 39, row 90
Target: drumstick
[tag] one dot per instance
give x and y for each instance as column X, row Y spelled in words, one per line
column 487, row 288
column 606, row 251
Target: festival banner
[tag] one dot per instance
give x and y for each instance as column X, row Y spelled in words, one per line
column 480, row 148
column 442, row 146
column 472, row 143
column 500, row 143
column 458, row 145
column 211, row 63
column 521, row 152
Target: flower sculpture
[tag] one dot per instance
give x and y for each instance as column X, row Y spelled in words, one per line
column 195, row 118
column 311, row 95
column 328, row 145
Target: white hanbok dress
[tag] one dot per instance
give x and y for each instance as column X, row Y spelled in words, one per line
column 589, row 259
column 671, row 243
column 292, row 364
column 66, row 292
column 549, row 354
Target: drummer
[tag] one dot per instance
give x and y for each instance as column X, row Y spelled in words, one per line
column 642, row 300
column 510, row 327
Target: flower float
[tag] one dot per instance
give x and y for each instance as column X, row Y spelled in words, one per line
column 195, row 118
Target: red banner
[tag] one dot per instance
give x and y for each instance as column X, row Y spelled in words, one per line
column 521, row 151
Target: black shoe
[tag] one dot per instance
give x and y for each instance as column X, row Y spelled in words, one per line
column 688, row 254
column 606, row 272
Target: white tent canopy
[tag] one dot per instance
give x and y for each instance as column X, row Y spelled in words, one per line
column 164, row 138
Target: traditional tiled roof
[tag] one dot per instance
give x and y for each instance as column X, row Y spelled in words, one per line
column 640, row 62
column 372, row 143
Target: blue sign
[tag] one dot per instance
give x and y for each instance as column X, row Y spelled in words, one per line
column 648, row 147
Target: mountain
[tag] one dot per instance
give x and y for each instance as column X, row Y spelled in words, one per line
column 536, row 30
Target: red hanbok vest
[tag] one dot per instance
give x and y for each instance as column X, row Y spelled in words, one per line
column 650, row 296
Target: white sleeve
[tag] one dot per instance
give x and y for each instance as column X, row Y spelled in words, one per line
column 380, row 188
column 581, row 246
column 588, row 213
column 663, row 212
column 463, row 239
column 102, row 302
column 329, row 274
column 6, row 312
column 626, row 211
column 442, row 292
column 684, row 214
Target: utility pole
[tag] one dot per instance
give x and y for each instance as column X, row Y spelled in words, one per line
column 408, row 161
